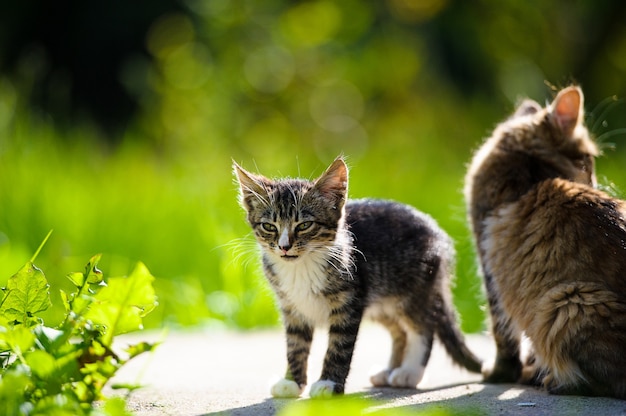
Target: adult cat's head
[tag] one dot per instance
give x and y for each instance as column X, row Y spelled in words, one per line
column 555, row 135
column 293, row 217
column 534, row 144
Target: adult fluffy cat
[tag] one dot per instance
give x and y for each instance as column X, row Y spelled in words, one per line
column 552, row 250
column 330, row 262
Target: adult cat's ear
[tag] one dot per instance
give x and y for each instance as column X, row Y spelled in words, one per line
column 526, row 107
column 567, row 109
column 252, row 187
column 334, row 182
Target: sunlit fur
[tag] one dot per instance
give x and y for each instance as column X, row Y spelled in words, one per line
column 553, row 251
column 330, row 262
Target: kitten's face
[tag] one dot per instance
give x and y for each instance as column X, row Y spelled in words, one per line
column 554, row 134
column 291, row 217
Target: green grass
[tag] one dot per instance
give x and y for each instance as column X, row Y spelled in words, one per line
column 177, row 211
column 175, row 207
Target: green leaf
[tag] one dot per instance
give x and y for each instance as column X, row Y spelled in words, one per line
column 18, row 339
column 59, row 405
column 65, row 298
column 13, row 384
column 77, row 278
column 115, row 406
column 121, row 305
column 41, row 363
column 46, row 337
column 91, row 275
column 137, row 349
column 27, row 295
column 62, row 371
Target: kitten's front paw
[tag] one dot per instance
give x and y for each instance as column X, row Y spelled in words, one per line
column 286, row 389
column 323, row 389
column 380, row 379
column 403, row 377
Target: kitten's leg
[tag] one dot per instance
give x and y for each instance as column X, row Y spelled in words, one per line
column 417, row 352
column 299, row 337
column 342, row 334
column 398, row 340
column 507, row 367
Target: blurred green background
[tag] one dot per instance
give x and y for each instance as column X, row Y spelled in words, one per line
column 119, row 121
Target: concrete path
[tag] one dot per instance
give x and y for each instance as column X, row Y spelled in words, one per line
column 230, row 373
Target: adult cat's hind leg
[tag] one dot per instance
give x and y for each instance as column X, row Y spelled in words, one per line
column 507, row 367
column 580, row 328
column 398, row 346
column 416, row 355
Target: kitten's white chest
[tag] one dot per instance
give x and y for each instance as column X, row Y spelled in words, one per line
column 302, row 282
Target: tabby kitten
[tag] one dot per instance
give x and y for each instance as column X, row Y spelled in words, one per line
column 552, row 250
column 330, row 262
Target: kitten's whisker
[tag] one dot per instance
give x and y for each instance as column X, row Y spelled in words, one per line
column 243, row 247
column 331, row 253
column 343, row 263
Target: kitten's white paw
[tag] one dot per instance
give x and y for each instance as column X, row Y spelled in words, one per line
column 380, row 379
column 286, row 388
column 322, row 389
column 487, row 368
column 403, row 377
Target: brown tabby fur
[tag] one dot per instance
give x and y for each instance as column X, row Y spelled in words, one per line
column 552, row 250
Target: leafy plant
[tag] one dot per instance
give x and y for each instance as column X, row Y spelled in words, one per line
column 62, row 370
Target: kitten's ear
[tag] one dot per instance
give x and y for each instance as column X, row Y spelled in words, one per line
column 527, row 107
column 252, row 186
column 567, row 109
column 334, row 182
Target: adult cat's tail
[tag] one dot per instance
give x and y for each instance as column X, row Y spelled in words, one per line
column 450, row 335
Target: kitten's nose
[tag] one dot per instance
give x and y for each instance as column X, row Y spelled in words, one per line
column 284, row 242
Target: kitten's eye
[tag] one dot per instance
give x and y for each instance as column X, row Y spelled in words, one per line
column 304, row 225
column 271, row 228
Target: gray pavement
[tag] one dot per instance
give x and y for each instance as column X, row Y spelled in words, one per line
column 222, row 372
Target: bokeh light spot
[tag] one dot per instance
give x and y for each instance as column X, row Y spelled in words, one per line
column 188, row 67
column 169, row 33
column 353, row 142
column 336, row 105
column 269, row 69
column 311, row 23
column 269, row 136
column 521, row 78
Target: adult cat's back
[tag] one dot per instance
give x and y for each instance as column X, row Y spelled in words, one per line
column 560, row 228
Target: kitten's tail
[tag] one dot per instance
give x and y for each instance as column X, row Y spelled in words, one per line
column 450, row 335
